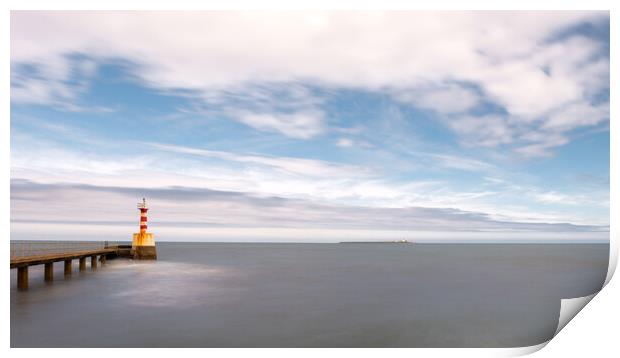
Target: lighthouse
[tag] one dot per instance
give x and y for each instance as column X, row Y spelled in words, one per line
column 143, row 244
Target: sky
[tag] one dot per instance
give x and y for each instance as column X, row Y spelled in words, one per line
column 310, row 126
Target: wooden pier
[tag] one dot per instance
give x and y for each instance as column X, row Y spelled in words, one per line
column 23, row 260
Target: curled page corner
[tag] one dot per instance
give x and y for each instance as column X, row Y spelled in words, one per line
column 613, row 260
column 523, row 351
column 569, row 309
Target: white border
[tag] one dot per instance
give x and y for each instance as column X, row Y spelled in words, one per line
column 594, row 329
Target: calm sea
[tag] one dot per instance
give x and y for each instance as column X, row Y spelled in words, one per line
column 311, row 295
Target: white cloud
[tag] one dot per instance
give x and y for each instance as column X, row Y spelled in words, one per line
column 301, row 125
column 344, row 142
column 543, row 147
column 575, row 115
column 443, row 99
column 297, row 166
column 58, row 83
column 486, row 131
column 418, row 57
column 462, row 163
column 554, row 197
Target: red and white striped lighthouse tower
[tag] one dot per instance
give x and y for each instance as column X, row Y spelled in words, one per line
column 143, row 209
column 143, row 244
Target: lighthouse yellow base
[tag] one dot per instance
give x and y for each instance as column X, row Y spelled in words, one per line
column 143, row 246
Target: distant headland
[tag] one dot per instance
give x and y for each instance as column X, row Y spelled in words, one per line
column 377, row 242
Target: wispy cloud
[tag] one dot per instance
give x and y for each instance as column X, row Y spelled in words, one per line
column 182, row 206
column 462, row 163
column 443, row 98
column 298, row 166
column 345, row 142
column 58, row 83
column 487, row 131
column 301, row 125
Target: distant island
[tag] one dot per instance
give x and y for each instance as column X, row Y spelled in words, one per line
column 376, row 242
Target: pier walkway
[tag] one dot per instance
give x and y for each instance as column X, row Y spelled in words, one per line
column 26, row 254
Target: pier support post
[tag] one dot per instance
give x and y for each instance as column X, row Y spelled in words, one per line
column 82, row 263
column 93, row 262
column 22, row 278
column 49, row 272
column 102, row 258
column 68, row 267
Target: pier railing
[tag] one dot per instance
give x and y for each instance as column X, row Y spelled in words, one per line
column 22, row 249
